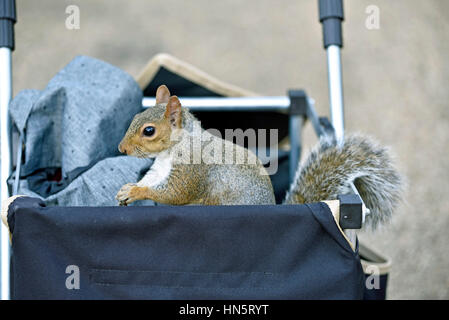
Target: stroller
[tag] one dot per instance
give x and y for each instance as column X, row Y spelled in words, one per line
column 215, row 252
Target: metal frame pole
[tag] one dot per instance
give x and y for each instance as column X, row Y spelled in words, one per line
column 7, row 20
column 256, row 104
column 335, row 91
column 331, row 16
column 5, row 97
column 296, row 123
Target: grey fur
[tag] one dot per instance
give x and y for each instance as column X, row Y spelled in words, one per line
column 241, row 181
column 329, row 170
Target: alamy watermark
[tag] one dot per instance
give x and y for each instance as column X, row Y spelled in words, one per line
column 372, row 280
column 72, row 22
column 72, row 282
column 372, row 21
column 198, row 146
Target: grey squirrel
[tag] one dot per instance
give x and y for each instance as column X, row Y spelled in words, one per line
column 165, row 131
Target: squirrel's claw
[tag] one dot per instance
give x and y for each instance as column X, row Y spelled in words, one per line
column 124, row 195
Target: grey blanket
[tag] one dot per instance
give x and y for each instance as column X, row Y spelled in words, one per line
column 73, row 128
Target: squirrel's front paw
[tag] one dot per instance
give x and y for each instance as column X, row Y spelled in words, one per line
column 130, row 192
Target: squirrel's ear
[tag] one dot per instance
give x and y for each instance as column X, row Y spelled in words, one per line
column 173, row 112
column 162, row 94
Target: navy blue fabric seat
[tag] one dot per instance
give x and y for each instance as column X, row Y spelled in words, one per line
column 190, row 252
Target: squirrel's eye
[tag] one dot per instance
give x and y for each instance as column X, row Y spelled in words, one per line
column 149, row 131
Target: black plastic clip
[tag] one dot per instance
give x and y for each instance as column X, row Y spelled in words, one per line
column 298, row 102
column 331, row 16
column 351, row 214
column 7, row 20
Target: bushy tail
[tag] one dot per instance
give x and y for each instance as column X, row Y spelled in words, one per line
column 329, row 170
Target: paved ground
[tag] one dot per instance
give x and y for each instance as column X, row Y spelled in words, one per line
column 395, row 81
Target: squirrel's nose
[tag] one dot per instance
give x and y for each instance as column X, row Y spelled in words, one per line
column 122, row 148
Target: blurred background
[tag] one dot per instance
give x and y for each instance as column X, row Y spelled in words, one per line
column 396, row 82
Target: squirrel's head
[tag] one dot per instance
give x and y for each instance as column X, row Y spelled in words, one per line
column 150, row 132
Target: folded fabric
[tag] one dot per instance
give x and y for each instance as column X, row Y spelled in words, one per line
column 71, row 131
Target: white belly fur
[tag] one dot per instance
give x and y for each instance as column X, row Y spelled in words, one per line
column 158, row 173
